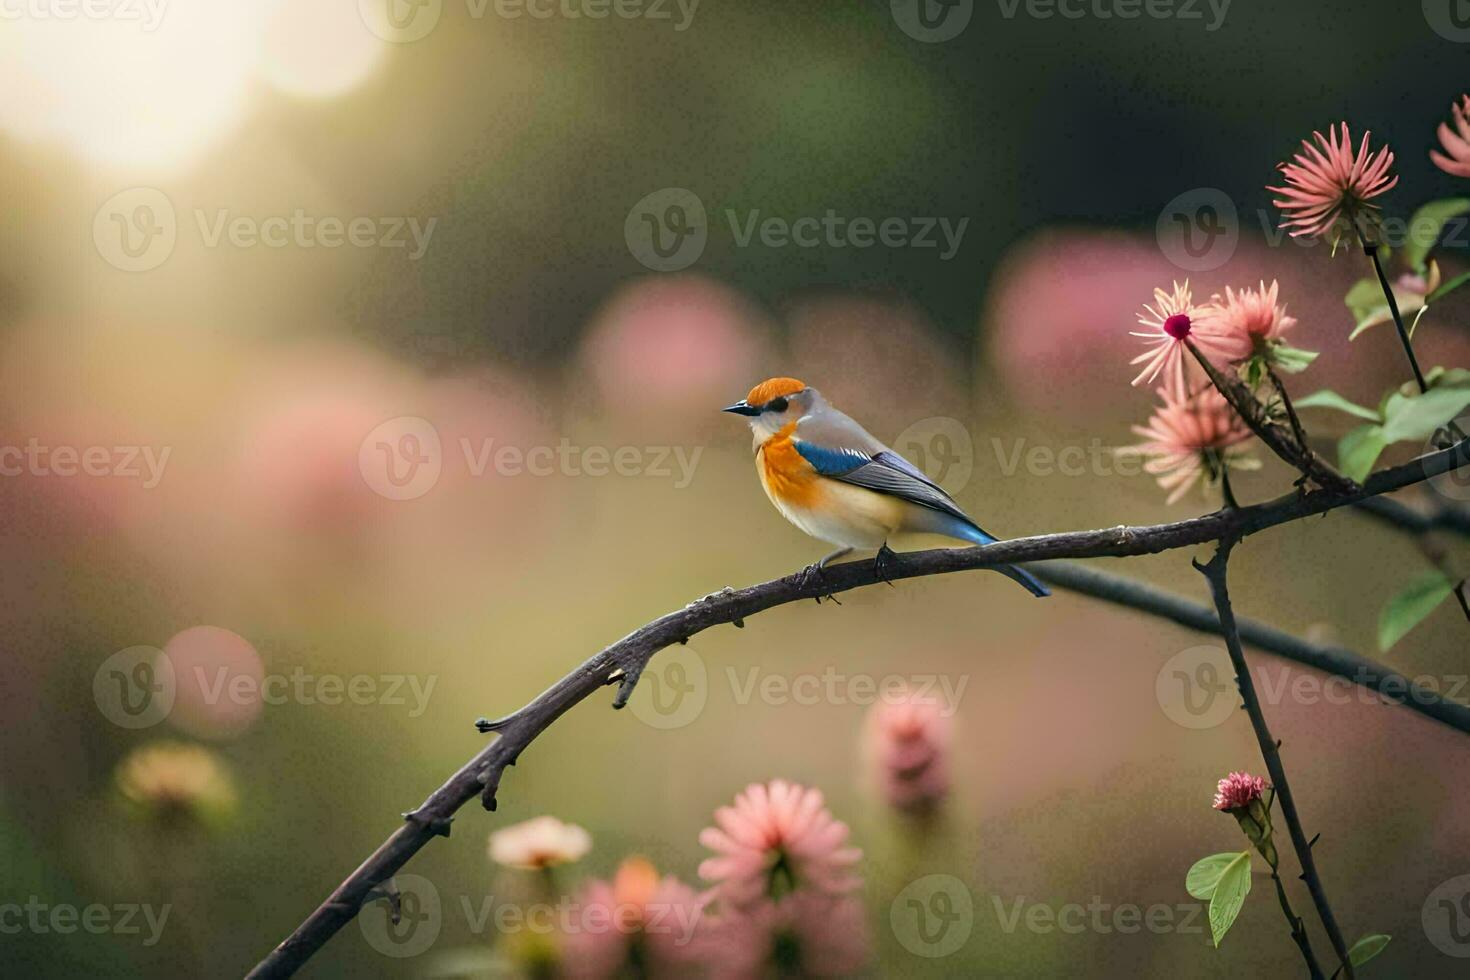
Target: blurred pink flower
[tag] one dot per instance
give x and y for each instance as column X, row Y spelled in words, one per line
column 219, row 679
column 1456, row 142
column 661, row 919
column 778, row 836
column 1328, row 187
column 1250, row 317
column 541, row 842
column 669, row 349
column 1238, row 791
column 803, row 934
column 907, row 744
column 1189, row 436
column 1170, row 321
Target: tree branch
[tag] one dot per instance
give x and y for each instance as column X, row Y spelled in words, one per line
column 1215, row 572
column 622, row 662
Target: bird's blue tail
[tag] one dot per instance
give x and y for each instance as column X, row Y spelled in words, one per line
column 969, row 532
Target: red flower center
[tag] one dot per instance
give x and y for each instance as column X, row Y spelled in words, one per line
column 1177, row 326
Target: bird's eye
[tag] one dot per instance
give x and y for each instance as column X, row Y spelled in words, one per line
column 776, row 405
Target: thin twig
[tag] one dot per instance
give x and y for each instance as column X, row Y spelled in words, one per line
column 1371, row 250
column 623, row 661
column 1215, row 572
column 1276, row 436
column 1298, row 930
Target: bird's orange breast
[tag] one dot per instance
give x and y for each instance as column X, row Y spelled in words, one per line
column 786, row 475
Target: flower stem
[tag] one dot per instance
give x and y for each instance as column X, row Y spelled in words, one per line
column 1298, row 932
column 1214, row 571
column 1393, row 307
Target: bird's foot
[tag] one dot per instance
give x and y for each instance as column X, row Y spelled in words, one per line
column 815, row 576
column 882, row 562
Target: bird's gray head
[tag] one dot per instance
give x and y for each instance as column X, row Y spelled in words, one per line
column 774, row 404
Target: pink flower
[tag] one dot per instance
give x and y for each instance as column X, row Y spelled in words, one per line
column 803, row 934
column 542, row 842
column 1189, row 437
column 776, row 837
column 1329, row 187
column 1238, row 791
column 1456, row 142
column 1251, row 315
column 661, row 919
column 1170, row 321
column 907, row 744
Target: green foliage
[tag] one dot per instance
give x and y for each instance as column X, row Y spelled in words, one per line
column 1292, row 360
column 1224, row 880
column 1402, row 417
column 1427, row 224
column 1326, row 398
column 1409, row 608
column 1366, row 303
column 1366, row 948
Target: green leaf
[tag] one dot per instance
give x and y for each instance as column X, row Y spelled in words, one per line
column 1407, row 609
column 1359, row 450
column 1427, row 224
column 1205, row 875
column 1366, row 948
column 1365, row 299
column 1326, row 398
column 1416, row 419
column 1230, row 892
column 1446, row 288
column 1292, row 360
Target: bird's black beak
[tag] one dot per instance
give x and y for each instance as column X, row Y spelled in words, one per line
column 742, row 408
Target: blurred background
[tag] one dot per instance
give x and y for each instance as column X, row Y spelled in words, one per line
column 366, row 358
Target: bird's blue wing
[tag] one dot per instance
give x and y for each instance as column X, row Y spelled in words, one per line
column 885, row 472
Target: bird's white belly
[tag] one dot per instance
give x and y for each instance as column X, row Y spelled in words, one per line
column 845, row 515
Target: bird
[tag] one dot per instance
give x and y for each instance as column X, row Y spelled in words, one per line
column 830, row 477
